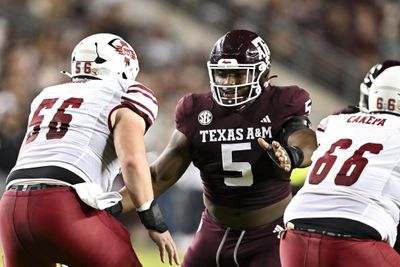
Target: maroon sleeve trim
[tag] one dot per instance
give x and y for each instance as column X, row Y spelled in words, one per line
column 133, row 102
column 146, row 118
column 151, row 97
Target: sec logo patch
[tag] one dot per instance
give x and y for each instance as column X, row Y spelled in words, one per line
column 205, row 117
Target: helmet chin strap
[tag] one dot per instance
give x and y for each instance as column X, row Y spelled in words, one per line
column 244, row 106
column 266, row 83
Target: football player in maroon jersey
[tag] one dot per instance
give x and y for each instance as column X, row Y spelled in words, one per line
column 226, row 134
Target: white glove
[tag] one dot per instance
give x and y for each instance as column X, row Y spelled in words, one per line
column 93, row 195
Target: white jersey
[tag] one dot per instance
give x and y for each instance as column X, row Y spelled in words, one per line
column 69, row 127
column 355, row 173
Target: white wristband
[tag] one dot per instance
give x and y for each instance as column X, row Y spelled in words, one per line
column 145, row 206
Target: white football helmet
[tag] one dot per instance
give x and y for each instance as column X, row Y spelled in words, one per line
column 371, row 75
column 384, row 94
column 103, row 55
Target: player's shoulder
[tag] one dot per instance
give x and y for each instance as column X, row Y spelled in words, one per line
column 335, row 118
column 348, row 110
column 288, row 101
column 50, row 90
column 289, row 92
column 138, row 86
column 139, row 89
column 196, row 98
column 55, row 87
column 141, row 99
column 190, row 103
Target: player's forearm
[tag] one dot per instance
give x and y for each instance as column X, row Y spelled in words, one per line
column 304, row 139
column 140, row 191
column 171, row 164
column 159, row 186
column 162, row 179
column 137, row 183
column 127, row 204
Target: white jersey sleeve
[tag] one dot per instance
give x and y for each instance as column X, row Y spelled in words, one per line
column 142, row 100
column 355, row 173
column 69, row 127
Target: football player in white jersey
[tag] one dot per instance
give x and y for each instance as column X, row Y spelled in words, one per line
column 347, row 212
column 80, row 134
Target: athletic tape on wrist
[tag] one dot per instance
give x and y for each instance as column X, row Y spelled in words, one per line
column 145, row 206
column 152, row 218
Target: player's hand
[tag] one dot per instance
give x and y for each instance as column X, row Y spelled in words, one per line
column 277, row 153
column 165, row 244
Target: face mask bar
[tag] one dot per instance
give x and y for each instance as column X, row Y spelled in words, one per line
column 251, row 85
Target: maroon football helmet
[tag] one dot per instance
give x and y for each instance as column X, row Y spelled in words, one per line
column 371, row 75
column 237, row 62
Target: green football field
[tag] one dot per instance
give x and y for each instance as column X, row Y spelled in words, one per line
column 148, row 256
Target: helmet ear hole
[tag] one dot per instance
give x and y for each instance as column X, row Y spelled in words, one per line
column 124, row 76
column 262, row 67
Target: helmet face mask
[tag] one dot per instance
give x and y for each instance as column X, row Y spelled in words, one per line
column 237, row 62
column 234, row 86
column 104, row 55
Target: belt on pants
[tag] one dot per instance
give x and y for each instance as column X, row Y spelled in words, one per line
column 323, row 232
column 29, row 187
column 292, row 226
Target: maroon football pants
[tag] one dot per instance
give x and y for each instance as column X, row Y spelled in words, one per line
column 215, row 245
column 41, row 227
column 302, row 249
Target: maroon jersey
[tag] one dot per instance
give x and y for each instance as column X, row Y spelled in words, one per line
column 235, row 170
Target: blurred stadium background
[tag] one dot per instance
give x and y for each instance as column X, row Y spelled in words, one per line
column 325, row 47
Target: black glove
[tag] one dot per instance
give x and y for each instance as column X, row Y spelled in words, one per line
column 115, row 210
column 152, row 218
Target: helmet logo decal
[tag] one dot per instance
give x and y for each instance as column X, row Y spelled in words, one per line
column 369, row 79
column 228, row 61
column 124, row 50
column 263, row 51
column 205, row 117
